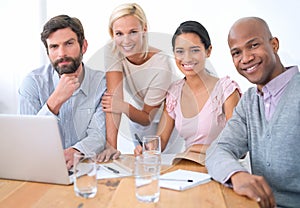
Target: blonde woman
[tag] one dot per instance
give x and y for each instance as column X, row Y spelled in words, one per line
column 145, row 71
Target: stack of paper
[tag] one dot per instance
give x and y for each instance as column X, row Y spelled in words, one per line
column 183, row 179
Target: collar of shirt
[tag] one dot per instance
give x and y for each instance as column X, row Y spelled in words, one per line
column 273, row 90
column 276, row 85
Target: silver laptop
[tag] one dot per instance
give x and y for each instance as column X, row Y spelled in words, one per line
column 31, row 149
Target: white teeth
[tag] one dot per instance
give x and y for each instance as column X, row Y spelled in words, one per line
column 127, row 48
column 189, row 66
column 250, row 69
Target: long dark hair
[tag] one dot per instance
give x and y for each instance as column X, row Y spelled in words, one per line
column 192, row 27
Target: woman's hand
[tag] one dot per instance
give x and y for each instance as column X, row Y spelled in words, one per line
column 108, row 153
column 111, row 103
column 138, row 150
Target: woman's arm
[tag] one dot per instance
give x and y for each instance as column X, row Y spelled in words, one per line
column 230, row 104
column 144, row 116
column 114, row 104
column 165, row 128
column 114, row 83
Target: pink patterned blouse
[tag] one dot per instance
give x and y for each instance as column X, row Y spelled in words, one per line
column 209, row 122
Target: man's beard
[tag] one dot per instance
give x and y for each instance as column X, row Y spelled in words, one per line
column 70, row 68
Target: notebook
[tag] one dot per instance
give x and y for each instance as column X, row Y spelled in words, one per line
column 31, row 149
column 183, row 179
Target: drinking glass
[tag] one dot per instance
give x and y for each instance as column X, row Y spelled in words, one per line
column 151, row 144
column 147, row 171
column 85, row 175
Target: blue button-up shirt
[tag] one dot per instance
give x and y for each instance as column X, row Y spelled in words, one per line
column 81, row 119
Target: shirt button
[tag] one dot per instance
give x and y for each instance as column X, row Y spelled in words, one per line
column 268, row 164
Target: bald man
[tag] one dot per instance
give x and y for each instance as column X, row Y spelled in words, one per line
column 265, row 123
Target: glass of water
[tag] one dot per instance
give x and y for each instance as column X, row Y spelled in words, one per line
column 151, row 144
column 147, row 171
column 85, row 175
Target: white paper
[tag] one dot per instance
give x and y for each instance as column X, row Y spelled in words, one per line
column 103, row 172
column 183, row 176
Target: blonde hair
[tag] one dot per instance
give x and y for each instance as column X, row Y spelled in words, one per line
column 134, row 10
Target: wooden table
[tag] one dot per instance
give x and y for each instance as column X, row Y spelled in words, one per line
column 115, row 193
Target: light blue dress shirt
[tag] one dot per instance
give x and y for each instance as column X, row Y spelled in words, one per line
column 81, row 119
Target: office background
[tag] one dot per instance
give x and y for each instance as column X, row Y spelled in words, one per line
column 21, row 24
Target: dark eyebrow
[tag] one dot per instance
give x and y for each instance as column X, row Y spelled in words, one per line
column 247, row 43
column 192, row 47
column 251, row 40
column 71, row 39
column 55, row 44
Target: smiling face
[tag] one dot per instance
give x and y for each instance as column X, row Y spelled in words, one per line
column 190, row 54
column 128, row 35
column 254, row 51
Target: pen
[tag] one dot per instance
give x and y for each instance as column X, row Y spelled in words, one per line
column 112, row 169
column 174, row 179
column 138, row 139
